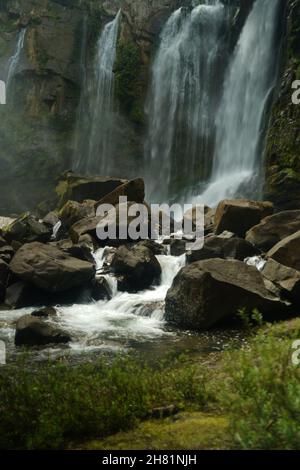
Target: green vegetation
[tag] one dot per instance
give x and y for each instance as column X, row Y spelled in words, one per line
column 188, row 430
column 250, row 319
column 127, row 86
column 263, row 392
column 245, row 398
column 59, row 403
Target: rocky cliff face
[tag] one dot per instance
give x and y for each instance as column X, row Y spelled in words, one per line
column 37, row 124
column 283, row 142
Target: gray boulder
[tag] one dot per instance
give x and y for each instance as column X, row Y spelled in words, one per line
column 49, row 268
column 136, row 267
column 78, row 188
column 22, row 294
column 206, row 292
column 31, row 331
column 287, row 279
column 222, row 247
column 240, row 215
column 287, row 251
column 273, row 229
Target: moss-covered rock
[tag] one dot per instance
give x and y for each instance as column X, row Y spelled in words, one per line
column 283, row 142
column 129, row 89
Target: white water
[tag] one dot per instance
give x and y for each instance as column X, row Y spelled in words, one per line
column 257, row 261
column 182, row 98
column 15, row 59
column 110, row 324
column 95, row 153
column 240, row 121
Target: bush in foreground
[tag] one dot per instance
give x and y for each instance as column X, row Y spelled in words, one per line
column 263, row 393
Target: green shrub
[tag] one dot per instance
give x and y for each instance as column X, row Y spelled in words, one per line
column 263, row 394
column 55, row 404
column 250, row 319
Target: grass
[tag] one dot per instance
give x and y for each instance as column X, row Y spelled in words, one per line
column 59, row 403
column 245, row 398
column 188, row 430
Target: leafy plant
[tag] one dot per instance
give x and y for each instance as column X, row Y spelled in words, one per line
column 263, row 395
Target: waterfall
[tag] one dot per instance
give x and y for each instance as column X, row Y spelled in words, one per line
column 183, row 98
column 95, row 153
column 241, row 118
column 15, row 58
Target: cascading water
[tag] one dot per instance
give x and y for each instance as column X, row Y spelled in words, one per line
column 126, row 316
column 15, row 59
column 183, row 97
column 241, row 119
column 109, row 324
column 94, row 153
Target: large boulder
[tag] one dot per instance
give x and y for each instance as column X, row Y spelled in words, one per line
column 273, row 229
column 22, row 294
column 49, row 268
column 222, row 247
column 31, row 331
column 206, row 292
column 27, row 228
column 136, row 268
column 134, row 190
column 78, row 187
column 287, row 251
column 287, row 279
column 4, row 273
column 240, row 215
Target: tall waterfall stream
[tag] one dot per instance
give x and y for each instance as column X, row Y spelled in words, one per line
column 207, row 112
